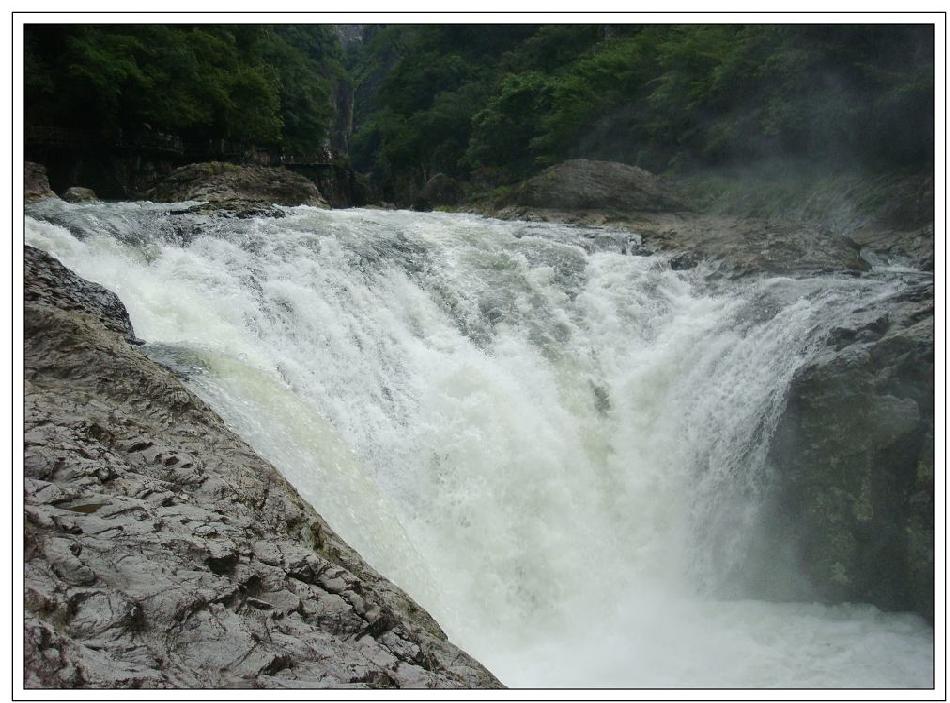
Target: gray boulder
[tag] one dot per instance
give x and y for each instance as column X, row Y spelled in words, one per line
column 77, row 194
column 160, row 551
column 583, row 184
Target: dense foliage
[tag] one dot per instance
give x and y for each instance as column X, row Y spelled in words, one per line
column 495, row 103
column 254, row 84
column 498, row 103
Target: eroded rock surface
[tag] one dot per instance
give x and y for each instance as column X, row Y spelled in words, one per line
column 585, row 184
column 240, row 209
column 853, row 457
column 621, row 197
column 220, row 182
column 35, row 182
column 161, row 551
column 737, row 246
column 78, row 194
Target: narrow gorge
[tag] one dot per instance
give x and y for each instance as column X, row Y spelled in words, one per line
column 591, row 465
column 440, row 355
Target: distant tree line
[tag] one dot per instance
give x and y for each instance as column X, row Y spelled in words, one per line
column 264, row 85
column 504, row 101
column 498, row 103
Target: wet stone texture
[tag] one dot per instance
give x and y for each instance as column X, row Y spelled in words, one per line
column 160, row 551
column 853, row 455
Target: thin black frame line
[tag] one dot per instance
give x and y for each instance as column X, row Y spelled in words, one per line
column 478, row 12
column 944, row 363
column 23, row 306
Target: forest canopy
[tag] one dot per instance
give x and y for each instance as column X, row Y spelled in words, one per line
column 509, row 101
column 256, row 84
column 500, row 102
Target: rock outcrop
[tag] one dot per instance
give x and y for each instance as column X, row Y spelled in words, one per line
column 77, row 194
column 853, row 460
column 737, row 246
column 742, row 246
column 220, row 182
column 241, row 209
column 621, row 197
column 161, row 551
column 913, row 246
column 35, row 182
column 582, row 184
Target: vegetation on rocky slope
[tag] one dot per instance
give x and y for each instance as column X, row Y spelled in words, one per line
column 268, row 85
column 496, row 104
column 493, row 104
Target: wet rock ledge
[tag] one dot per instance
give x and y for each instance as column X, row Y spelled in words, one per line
column 160, row 551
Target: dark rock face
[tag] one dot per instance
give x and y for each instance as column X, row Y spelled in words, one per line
column 35, row 183
column 338, row 184
column 217, row 181
column 439, row 190
column 160, row 551
column 49, row 284
column 853, row 455
column 240, row 209
column 582, row 184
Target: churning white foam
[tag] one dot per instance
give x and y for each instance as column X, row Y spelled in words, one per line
column 556, row 448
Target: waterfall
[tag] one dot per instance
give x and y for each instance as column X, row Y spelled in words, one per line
column 558, row 447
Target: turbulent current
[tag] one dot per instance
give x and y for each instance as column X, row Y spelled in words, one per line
column 556, row 446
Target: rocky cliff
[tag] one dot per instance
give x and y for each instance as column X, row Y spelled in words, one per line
column 161, row 551
column 853, row 461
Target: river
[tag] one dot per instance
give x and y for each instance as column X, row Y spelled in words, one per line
column 555, row 445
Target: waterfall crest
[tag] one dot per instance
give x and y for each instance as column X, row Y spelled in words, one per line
column 556, row 446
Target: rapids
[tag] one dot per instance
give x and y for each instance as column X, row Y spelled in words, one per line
column 556, row 447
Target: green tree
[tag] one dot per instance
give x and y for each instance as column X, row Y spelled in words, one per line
column 256, row 84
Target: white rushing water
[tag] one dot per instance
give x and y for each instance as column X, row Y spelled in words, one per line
column 556, row 448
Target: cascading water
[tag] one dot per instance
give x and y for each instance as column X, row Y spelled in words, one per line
column 556, row 448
